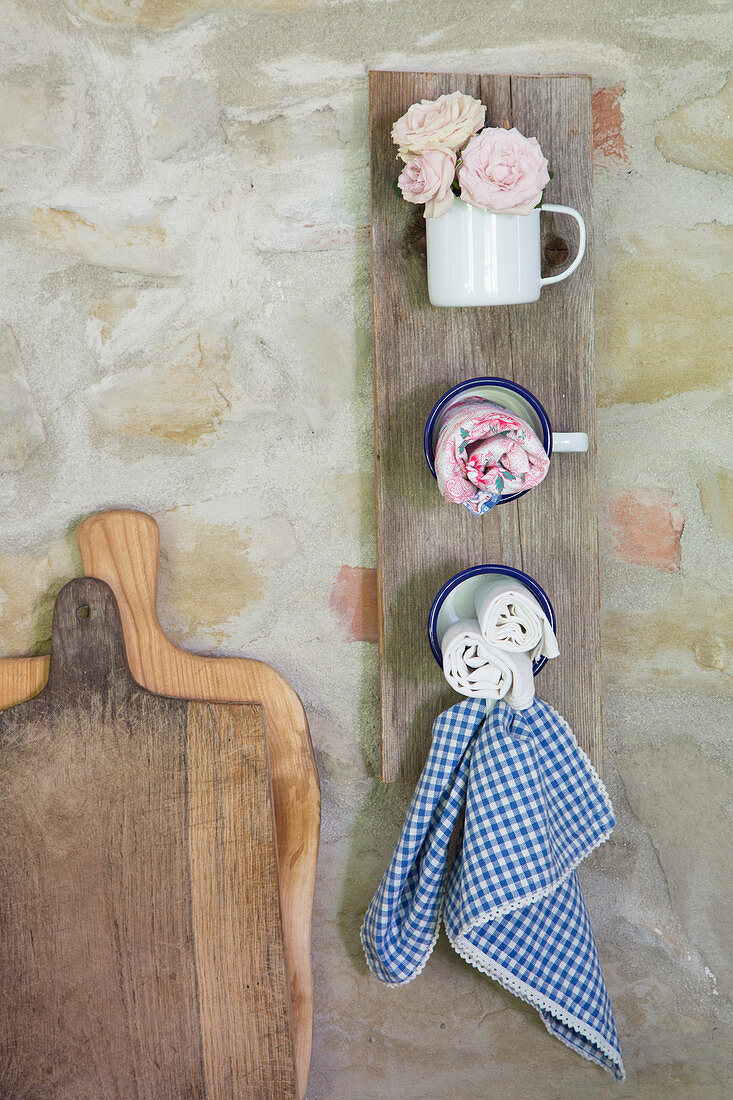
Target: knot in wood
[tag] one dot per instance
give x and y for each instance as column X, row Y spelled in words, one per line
column 556, row 252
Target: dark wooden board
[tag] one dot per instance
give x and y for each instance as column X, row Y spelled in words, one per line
column 419, row 353
column 141, row 948
column 121, row 548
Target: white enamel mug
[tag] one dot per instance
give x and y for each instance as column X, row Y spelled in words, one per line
column 476, row 258
column 457, row 600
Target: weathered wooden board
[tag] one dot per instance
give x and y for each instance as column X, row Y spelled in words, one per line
column 121, row 548
column 419, row 353
column 141, row 948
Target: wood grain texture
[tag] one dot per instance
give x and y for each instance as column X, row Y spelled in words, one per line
column 245, row 1008
column 141, row 950
column 122, row 549
column 419, row 353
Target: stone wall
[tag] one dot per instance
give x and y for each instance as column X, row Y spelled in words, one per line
column 186, row 309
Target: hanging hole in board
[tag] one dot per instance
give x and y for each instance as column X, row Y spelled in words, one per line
column 83, row 611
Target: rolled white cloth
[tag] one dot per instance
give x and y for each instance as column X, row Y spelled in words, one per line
column 521, row 693
column 472, row 666
column 511, row 619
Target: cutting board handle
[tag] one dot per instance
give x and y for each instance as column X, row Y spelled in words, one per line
column 87, row 647
column 121, row 548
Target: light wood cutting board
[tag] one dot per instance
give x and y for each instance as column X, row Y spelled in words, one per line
column 121, row 548
column 141, row 950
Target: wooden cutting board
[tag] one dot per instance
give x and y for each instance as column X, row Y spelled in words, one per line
column 141, row 949
column 419, row 353
column 122, row 548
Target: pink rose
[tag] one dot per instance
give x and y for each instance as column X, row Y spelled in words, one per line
column 447, row 122
column 503, row 171
column 428, row 179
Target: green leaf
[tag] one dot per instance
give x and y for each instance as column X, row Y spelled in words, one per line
column 542, row 199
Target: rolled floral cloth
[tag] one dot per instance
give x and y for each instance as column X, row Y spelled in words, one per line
column 484, row 452
column 511, row 619
column 471, row 666
column 510, row 900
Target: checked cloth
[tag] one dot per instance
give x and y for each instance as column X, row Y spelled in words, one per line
column 510, row 901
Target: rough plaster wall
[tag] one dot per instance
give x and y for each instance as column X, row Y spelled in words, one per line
column 185, row 281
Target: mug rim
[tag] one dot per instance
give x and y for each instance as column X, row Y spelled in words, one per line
column 474, row 383
column 479, row 570
column 459, row 203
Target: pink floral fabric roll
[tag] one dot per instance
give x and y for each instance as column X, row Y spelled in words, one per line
column 485, row 452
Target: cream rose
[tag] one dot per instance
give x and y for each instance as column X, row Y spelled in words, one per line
column 448, row 122
column 503, row 171
column 428, row 178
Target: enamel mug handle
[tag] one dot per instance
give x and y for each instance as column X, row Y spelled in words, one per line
column 569, row 441
column 581, row 243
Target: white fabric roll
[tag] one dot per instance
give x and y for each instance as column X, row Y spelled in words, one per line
column 511, row 619
column 521, row 693
column 471, row 666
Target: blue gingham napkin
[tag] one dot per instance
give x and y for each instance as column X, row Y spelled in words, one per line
column 511, row 902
